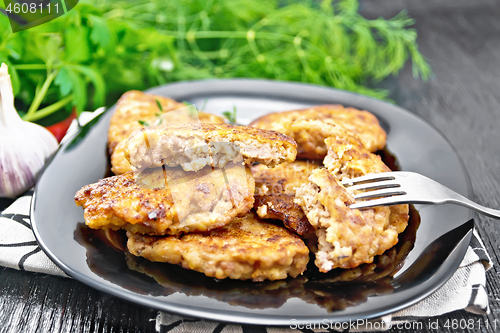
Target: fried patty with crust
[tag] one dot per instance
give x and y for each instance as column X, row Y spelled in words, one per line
column 193, row 146
column 168, row 201
column 247, row 248
column 132, row 107
column 347, row 158
column 135, row 106
column 310, row 127
column 275, row 193
column 119, row 163
column 348, row 237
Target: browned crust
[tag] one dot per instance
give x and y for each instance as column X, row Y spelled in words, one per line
column 275, row 193
column 215, row 131
column 283, row 208
column 134, row 106
column 347, row 158
column 131, row 107
column 203, row 200
column 247, row 248
column 119, row 164
column 348, row 237
column 256, row 145
column 296, row 123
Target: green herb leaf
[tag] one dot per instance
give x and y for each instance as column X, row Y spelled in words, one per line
column 159, row 105
column 231, row 116
column 79, row 91
column 84, row 130
column 70, row 82
column 96, row 79
column 101, row 34
column 193, row 112
column 63, row 80
column 43, row 47
column 76, row 44
column 143, row 123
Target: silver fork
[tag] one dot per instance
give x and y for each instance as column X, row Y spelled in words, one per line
column 391, row 188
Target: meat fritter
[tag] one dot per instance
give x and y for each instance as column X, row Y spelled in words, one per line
column 310, row 136
column 135, row 106
column 275, row 193
column 247, row 248
column 193, row 146
column 348, row 237
column 168, row 200
column 119, row 163
column 310, row 127
column 386, row 264
column 132, row 107
column 348, row 159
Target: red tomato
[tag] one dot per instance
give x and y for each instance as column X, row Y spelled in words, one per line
column 59, row 129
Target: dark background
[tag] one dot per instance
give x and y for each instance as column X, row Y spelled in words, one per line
column 461, row 40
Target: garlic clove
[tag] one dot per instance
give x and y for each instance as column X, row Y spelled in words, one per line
column 24, row 147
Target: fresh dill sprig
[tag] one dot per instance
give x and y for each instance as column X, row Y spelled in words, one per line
column 100, row 49
column 160, row 107
column 326, row 43
column 231, row 116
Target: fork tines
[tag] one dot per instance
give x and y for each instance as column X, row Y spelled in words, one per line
column 381, row 185
column 374, row 177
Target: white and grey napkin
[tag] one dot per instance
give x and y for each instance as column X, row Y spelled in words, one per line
column 464, row 291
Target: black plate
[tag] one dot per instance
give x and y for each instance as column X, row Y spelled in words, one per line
column 417, row 146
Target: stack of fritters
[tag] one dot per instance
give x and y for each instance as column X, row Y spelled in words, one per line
column 308, row 197
column 188, row 198
column 185, row 188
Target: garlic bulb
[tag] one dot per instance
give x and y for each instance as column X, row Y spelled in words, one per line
column 24, row 146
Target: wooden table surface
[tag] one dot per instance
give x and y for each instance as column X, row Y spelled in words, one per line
column 461, row 40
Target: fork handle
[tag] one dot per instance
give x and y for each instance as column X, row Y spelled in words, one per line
column 463, row 201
